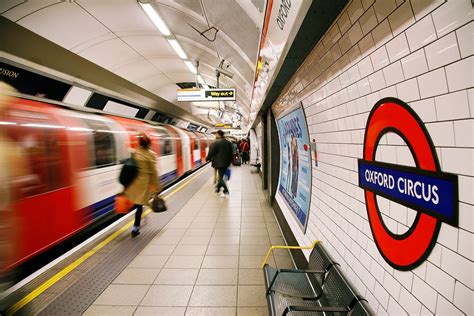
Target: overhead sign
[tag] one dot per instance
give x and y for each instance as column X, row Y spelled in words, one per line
column 227, row 126
column 425, row 188
column 200, row 95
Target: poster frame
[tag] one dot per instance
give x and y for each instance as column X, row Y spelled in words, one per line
column 282, row 114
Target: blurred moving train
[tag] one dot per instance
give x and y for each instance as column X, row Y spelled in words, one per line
column 64, row 174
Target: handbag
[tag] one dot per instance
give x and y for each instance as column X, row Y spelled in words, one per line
column 122, row 204
column 158, row 204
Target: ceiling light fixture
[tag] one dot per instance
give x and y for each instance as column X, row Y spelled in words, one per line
column 201, row 80
column 190, row 66
column 155, row 18
column 177, row 48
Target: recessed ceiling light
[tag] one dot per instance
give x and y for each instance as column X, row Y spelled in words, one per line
column 155, row 18
column 177, row 48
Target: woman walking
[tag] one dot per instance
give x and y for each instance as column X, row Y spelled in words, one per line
column 146, row 182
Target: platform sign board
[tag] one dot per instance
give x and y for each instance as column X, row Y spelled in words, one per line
column 433, row 194
column 200, row 95
column 295, row 164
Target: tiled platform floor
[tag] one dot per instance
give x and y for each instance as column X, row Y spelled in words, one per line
column 206, row 261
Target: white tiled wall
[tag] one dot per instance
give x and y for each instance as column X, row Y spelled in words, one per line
column 419, row 51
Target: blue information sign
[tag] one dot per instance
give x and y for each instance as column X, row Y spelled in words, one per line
column 434, row 193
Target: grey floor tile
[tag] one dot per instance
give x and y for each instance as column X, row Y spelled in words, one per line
column 158, row 250
column 190, row 250
column 122, row 294
column 162, row 311
column 257, row 232
column 210, row 311
column 137, row 276
column 228, row 225
column 195, row 240
column 184, row 262
column 253, row 225
column 198, row 232
column 251, row 295
column 225, row 240
column 214, row 295
column 165, row 240
column 217, row 277
column 251, row 277
column 254, row 262
column 167, row 295
column 177, row 276
column 252, row 240
column 252, row 311
column 205, row 219
column 220, row 262
column 103, row 310
column 222, row 250
column 226, row 232
column 203, row 225
column 254, row 250
column 141, row 261
column 172, row 232
column 253, row 219
column 178, row 225
column 277, row 240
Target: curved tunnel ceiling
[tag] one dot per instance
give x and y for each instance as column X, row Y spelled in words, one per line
column 118, row 36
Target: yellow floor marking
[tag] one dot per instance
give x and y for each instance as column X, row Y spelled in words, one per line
column 58, row 276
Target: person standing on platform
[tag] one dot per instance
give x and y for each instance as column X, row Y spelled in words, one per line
column 244, row 150
column 220, row 153
column 146, row 182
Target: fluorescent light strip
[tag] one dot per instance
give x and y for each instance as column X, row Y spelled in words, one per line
column 200, row 80
column 155, row 18
column 177, row 48
column 190, row 66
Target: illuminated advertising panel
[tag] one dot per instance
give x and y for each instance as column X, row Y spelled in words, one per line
column 295, row 164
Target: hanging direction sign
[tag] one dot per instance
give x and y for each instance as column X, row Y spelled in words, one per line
column 199, row 95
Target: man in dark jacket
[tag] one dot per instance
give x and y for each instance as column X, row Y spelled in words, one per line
column 220, row 153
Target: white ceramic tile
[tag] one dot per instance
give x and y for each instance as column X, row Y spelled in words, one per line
column 363, row 86
column 423, row 7
column 384, row 8
column 441, row 133
column 365, row 67
column 442, row 52
column 379, row 58
column 451, row 15
column 421, row 34
column 463, row 298
column 452, row 106
column 445, row 307
column 366, row 45
column 393, row 74
column 464, row 133
column 382, row 33
column 401, row 19
column 397, row 47
column 408, row 90
column 411, row 304
column 344, row 22
column 433, row 83
column 466, row 240
column 355, row 10
column 377, row 81
column 368, row 21
column 460, row 74
column 426, row 294
column 457, row 266
column 465, row 36
column 414, row 64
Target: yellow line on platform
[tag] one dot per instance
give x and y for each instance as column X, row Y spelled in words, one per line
column 61, row 274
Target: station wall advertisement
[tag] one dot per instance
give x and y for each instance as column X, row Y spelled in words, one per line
column 294, row 184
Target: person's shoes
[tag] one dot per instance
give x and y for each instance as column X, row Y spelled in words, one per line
column 135, row 233
column 224, row 194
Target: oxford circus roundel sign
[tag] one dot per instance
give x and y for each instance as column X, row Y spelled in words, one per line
column 424, row 188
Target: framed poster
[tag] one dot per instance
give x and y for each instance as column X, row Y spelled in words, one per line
column 295, row 164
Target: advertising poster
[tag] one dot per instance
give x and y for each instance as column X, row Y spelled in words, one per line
column 295, row 164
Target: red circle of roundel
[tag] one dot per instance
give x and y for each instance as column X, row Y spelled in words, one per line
column 410, row 249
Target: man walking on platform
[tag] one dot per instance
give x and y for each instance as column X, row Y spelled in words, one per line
column 220, row 153
column 244, row 150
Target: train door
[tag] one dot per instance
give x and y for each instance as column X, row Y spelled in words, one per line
column 44, row 189
column 186, row 147
column 167, row 161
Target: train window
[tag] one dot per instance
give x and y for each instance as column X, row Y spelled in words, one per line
column 196, row 143
column 104, row 144
column 166, row 147
column 39, row 167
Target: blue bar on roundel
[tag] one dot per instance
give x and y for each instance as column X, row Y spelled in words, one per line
column 434, row 193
